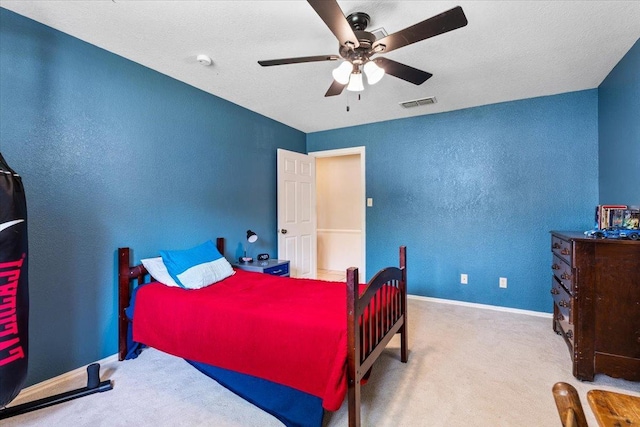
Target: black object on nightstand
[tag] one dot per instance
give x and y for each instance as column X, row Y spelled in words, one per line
column 275, row 267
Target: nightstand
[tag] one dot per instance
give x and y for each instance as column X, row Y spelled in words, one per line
column 275, row 267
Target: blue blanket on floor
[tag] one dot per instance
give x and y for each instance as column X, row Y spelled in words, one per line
column 293, row 407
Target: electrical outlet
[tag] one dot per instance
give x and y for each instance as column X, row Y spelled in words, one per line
column 369, row 202
column 503, row 282
column 464, row 279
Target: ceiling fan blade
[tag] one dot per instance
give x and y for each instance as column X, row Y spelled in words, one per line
column 332, row 15
column 447, row 21
column 335, row 89
column 299, row 60
column 402, row 71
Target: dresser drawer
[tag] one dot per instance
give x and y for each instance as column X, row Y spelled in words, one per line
column 563, row 273
column 278, row 270
column 563, row 302
column 561, row 248
column 274, row 267
column 567, row 333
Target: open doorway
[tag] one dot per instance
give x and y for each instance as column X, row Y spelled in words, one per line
column 340, row 209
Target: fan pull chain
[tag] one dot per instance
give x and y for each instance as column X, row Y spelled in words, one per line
column 348, row 107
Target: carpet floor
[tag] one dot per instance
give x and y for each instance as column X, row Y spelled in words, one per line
column 467, row 367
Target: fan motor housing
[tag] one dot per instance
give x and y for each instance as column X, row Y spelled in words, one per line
column 361, row 53
column 358, row 22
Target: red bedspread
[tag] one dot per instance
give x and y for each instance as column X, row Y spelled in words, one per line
column 289, row 331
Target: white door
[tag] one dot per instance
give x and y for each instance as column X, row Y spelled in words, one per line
column 297, row 212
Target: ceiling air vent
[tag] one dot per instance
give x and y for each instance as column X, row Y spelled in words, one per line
column 418, row 102
column 379, row 33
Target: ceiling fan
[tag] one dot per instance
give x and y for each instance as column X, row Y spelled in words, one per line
column 357, row 46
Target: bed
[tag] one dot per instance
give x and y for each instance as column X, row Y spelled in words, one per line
column 322, row 350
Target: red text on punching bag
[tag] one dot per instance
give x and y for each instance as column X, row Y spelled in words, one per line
column 10, row 347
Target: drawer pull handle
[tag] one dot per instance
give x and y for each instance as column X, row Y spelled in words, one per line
column 569, row 334
column 554, row 291
column 559, row 317
column 565, row 251
column 276, row 271
column 556, row 245
column 555, row 267
column 565, row 276
column 563, row 303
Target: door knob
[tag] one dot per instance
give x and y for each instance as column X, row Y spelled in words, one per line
column 283, row 231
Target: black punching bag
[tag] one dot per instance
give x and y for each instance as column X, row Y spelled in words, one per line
column 14, row 292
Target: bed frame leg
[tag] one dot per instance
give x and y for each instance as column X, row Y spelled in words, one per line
column 354, row 403
column 404, row 353
column 404, row 329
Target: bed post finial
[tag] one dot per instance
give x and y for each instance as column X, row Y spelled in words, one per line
column 220, row 245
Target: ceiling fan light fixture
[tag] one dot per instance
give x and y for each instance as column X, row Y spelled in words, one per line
column 342, row 73
column 373, row 71
column 355, row 82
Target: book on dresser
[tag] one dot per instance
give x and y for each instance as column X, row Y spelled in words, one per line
column 595, row 285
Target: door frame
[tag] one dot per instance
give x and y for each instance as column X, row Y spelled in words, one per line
column 363, row 198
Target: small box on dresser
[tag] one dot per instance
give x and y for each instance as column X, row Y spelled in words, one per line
column 596, row 294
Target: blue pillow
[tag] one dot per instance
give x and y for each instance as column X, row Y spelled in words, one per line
column 197, row 267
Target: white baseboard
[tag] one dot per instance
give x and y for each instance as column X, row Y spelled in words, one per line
column 26, row 393
column 483, row 306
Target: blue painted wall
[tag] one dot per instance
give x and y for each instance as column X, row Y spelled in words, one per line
column 619, row 131
column 476, row 191
column 115, row 154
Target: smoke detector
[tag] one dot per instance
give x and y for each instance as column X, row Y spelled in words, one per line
column 418, row 102
column 204, row 60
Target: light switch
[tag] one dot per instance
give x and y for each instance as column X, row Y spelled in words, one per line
column 369, row 202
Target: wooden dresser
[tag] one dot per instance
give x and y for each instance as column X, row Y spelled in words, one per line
column 596, row 292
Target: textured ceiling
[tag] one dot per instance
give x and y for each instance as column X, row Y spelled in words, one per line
column 509, row 50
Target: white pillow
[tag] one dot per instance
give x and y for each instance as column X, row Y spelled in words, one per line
column 158, row 271
column 197, row 267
